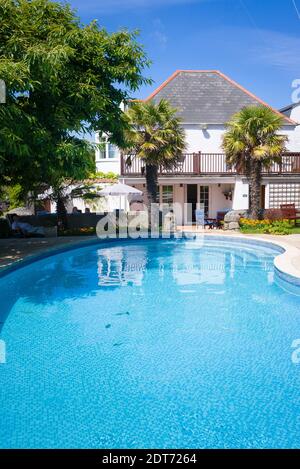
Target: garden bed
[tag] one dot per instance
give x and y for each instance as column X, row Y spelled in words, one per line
column 274, row 227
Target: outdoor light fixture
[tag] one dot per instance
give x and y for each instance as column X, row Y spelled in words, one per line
column 228, row 194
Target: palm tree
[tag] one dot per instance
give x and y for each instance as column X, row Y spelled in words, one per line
column 154, row 134
column 252, row 143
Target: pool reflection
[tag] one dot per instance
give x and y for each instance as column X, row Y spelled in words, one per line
column 83, row 273
column 120, row 266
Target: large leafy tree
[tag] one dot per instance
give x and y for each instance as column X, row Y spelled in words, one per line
column 63, row 79
column 251, row 143
column 156, row 136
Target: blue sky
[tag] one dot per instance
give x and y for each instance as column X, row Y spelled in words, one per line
column 256, row 43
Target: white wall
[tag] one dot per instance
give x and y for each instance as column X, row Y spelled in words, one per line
column 295, row 114
column 217, row 200
column 179, row 198
column 210, row 140
column 106, row 165
column 241, row 195
column 206, row 141
column 293, row 133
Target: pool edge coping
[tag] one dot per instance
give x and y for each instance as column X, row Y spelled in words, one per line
column 283, row 262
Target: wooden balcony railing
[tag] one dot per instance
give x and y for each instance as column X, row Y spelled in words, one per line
column 207, row 164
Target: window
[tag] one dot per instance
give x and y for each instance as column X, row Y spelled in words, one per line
column 167, row 194
column 107, row 150
column 157, row 194
column 112, row 151
column 102, row 151
column 284, row 194
column 204, row 199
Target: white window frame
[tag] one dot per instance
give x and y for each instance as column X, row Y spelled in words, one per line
column 161, row 193
column 104, row 141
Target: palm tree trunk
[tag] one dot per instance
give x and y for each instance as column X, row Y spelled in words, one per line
column 255, row 189
column 151, row 187
column 61, row 213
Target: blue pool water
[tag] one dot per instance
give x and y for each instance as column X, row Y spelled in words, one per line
column 170, row 343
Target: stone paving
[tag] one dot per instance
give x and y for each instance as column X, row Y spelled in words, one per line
column 16, row 249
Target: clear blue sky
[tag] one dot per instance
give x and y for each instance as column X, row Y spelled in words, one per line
column 255, row 42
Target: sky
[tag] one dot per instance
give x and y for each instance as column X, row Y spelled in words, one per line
column 254, row 42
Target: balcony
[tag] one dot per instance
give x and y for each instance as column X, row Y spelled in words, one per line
column 206, row 164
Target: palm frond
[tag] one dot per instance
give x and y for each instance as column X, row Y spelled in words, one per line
column 252, row 133
column 155, row 133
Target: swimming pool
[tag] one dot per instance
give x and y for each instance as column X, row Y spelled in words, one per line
column 154, row 343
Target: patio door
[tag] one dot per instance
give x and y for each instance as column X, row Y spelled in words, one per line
column 263, row 197
column 192, row 199
column 204, row 199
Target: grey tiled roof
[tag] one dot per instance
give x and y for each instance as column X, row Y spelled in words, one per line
column 204, row 97
column 287, row 110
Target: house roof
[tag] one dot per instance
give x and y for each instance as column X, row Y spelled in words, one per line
column 206, row 96
column 287, row 110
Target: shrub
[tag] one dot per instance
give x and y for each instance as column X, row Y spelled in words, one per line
column 277, row 227
column 101, row 175
column 78, row 232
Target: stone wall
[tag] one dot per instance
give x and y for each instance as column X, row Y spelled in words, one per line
column 80, row 220
column 232, row 218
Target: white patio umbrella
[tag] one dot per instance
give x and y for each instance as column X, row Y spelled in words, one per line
column 120, row 190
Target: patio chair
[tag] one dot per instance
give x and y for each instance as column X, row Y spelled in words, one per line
column 210, row 222
column 289, row 212
column 200, row 218
column 220, row 218
column 37, row 232
column 14, row 233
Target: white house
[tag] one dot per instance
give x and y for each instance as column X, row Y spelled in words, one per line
column 206, row 100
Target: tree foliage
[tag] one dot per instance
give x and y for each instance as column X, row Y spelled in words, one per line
column 63, row 79
column 156, row 136
column 251, row 143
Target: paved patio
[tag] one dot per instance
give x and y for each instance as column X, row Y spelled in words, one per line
column 15, row 250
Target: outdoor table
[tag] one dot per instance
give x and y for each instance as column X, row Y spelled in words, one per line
column 211, row 222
